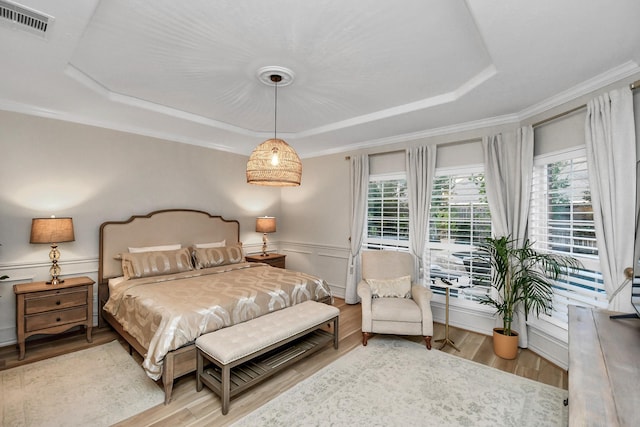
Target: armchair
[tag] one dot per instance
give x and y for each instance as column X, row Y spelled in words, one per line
column 400, row 315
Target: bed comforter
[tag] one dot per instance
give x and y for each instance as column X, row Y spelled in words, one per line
column 165, row 313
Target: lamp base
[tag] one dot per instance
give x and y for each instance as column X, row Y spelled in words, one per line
column 55, row 269
column 264, row 244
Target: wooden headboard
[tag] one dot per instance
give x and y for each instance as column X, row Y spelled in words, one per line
column 170, row 226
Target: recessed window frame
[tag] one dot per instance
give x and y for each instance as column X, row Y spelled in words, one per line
column 572, row 224
column 438, row 251
column 387, row 222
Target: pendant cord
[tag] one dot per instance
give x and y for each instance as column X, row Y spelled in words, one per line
column 275, row 113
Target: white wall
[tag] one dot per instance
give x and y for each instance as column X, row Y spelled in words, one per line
column 51, row 167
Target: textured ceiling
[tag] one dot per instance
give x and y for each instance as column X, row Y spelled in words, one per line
column 365, row 71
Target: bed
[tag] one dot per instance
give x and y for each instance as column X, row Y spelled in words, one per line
column 170, row 276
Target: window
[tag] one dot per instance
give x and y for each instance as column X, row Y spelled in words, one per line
column 561, row 221
column 387, row 213
column 459, row 218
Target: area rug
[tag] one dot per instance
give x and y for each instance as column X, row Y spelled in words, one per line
column 98, row 386
column 395, row 382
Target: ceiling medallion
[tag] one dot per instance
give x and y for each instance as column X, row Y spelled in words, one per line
column 274, row 162
column 286, row 75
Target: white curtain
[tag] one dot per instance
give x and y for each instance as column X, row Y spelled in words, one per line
column 421, row 166
column 611, row 159
column 359, row 179
column 508, row 163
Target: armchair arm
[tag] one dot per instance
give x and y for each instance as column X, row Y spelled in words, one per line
column 422, row 296
column 364, row 292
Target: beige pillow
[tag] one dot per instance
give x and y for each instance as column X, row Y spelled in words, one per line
column 156, row 263
column 219, row 244
column 217, row 256
column 156, row 248
column 399, row 287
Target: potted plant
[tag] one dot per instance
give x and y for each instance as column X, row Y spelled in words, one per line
column 522, row 277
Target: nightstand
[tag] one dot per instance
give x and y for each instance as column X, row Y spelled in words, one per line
column 275, row 260
column 53, row 309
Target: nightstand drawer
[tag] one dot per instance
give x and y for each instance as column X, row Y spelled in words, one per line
column 277, row 262
column 54, row 300
column 54, row 318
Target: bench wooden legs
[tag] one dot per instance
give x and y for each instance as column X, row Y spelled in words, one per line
column 226, row 388
column 199, row 370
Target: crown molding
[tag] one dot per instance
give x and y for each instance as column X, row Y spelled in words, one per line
column 32, row 110
column 407, row 137
column 82, row 78
column 611, row 76
column 422, row 104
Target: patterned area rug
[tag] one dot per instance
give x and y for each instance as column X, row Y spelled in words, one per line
column 94, row 387
column 395, row 382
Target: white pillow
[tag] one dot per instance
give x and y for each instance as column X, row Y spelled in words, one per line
column 399, row 287
column 219, row 244
column 155, row 248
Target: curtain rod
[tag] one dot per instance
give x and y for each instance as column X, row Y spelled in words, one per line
column 633, row 86
column 374, row 154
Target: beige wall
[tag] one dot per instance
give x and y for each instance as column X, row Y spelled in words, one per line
column 91, row 174
column 51, row 167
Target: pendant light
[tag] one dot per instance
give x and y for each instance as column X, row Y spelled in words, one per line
column 274, row 162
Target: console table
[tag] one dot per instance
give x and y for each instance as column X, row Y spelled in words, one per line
column 604, row 369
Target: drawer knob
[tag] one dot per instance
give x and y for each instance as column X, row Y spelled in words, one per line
column 58, row 319
column 58, row 302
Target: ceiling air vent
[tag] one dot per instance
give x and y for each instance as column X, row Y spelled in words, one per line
column 23, row 18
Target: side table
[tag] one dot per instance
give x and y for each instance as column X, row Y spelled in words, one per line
column 53, row 309
column 446, row 340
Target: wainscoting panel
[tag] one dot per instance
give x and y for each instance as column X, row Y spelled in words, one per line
column 552, row 346
column 463, row 314
column 327, row 262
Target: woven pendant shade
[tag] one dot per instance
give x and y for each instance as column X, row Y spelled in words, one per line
column 282, row 171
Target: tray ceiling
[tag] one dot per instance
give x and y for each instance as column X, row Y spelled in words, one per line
column 365, row 72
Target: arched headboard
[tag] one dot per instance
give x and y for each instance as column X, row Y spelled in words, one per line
column 169, row 226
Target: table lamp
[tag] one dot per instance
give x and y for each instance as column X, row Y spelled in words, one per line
column 264, row 225
column 52, row 231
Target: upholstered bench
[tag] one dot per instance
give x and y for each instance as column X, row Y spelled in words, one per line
column 250, row 352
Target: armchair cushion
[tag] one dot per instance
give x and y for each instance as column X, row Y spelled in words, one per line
column 396, row 310
column 399, row 287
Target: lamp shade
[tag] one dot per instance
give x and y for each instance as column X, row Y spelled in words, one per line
column 51, row 230
column 274, row 163
column 266, row 224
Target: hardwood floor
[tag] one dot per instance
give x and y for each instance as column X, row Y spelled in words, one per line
column 190, row 408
